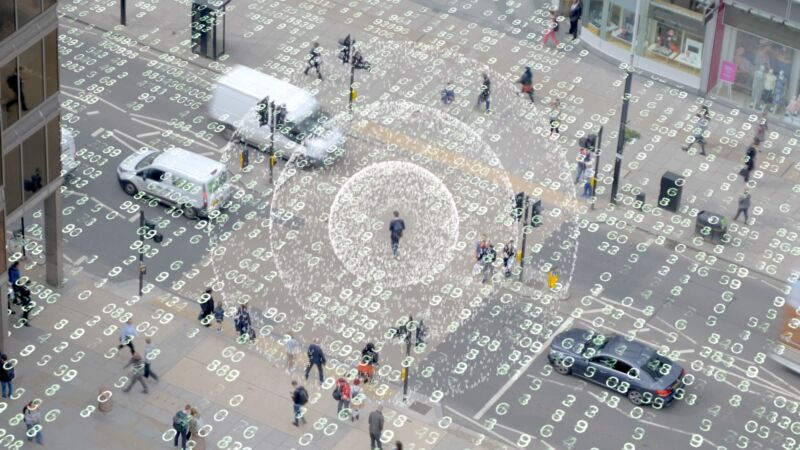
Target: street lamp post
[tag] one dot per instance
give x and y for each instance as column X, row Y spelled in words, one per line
column 623, row 120
column 598, row 150
column 122, row 12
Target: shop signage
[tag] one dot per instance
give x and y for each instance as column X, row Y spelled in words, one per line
column 728, row 72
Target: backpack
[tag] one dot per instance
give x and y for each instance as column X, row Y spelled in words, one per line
column 10, row 373
column 337, row 393
column 302, row 395
column 179, row 421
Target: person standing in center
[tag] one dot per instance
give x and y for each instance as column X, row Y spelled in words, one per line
column 6, row 376
column 342, row 394
column 526, row 80
column 299, row 398
column 32, row 417
column 575, row 12
column 552, row 28
column 316, row 357
column 750, row 160
column 375, row 428
column 126, row 337
column 396, row 228
column 180, row 423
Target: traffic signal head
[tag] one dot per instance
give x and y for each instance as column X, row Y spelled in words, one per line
column 519, row 205
column 359, row 62
column 151, row 233
column 280, row 115
column 536, row 213
column 263, row 112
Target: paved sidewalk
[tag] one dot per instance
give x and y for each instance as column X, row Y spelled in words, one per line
column 592, row 90
column 196, row 365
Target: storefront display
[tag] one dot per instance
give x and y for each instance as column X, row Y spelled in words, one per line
column 619, row 26
column 675, row 36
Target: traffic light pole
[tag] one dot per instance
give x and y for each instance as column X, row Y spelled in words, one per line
column 352, row 78
column 142, row 268
column 271, row 139
column 597, row 146
column 623, row 121
column 524, row 237
column 122, row 14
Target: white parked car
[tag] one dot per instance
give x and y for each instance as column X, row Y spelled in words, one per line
column 306, row 130
column 193, row 182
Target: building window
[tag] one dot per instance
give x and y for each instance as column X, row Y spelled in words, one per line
column 31, row 77
column 674, row 35
column 34, row 163
column 53, row 150
column 619, row 25
column 8, row 23
column 27, row 10
column 47, row 4
column 593, row 16
column 9, row 93
column 12, row 166
column 51, row 63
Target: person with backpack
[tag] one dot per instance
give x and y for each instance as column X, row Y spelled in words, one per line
column 219, row 315
column 316, row 357
column 703, row 117
column 242, row 321
column 342, row 394
column 299, row 399
column 314, row 60
column 526, row 80
column 32, row 417
column 6, row 376
column 180, row 423
column 552, row 28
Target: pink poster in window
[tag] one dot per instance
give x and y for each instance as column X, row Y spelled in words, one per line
column 728, row 72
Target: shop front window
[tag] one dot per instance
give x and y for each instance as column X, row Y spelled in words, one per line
column 8, row 22
column 593, row 16
column 760, row 72
column 619, row 24
column 675, row 35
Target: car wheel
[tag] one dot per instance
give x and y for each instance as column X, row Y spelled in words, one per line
column 561, row 368
column 636, row 397
column 190, row 213
column 129, row 188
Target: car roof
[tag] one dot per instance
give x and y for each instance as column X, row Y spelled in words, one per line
column 630, row 351
column 253, row 83
column 186, row 163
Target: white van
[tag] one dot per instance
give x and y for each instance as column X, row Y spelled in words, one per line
column 179, row 177
column 306, row 130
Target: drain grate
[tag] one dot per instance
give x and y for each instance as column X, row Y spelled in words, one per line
column 420, row 408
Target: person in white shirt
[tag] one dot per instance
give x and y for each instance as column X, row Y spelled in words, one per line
column 126, row 337
column 293, row 349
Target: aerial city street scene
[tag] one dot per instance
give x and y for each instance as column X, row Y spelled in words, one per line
column 400, row 224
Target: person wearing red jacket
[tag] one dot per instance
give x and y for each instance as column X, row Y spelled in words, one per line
column 341, row 393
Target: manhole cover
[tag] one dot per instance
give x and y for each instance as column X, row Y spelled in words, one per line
column 420, row 408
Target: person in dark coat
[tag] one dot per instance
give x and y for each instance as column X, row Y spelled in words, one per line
column 314, row 60
column 575, row 12
column 375, row 428
column 24, row 293
column 744, row 205
column 316, row 357
column 396, row 228
column 527, row 82
column 207, row 308
column 750, row 160
column 485, row 92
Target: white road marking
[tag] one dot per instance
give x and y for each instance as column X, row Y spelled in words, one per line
column 195, row 141
column 104, row 205
column 80, row 260
column 520, row 371
column 132, row 148
column 499, row 436
column 98, row 97
column 144, row 144
column 91, row 113
column 67, row 259
column 148, row 134
column 133, row 218
column 97, row 132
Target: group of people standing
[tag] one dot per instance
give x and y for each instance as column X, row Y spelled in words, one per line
column 486, row 256
column 187, row 424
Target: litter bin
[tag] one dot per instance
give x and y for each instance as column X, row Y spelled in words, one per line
column 669, row 196
column 208, row 27
column 711, row 226
column 639, row 202
column 104, row 402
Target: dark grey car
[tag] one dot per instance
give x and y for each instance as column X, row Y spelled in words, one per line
column 628, row 367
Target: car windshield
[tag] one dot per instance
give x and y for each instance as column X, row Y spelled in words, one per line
column 146, row 161
column 217, row 182
column 657, row 366
column 309, row 123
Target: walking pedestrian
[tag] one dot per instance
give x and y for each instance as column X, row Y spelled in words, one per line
column 575, row 12
column 193, row 434
column 219, row 315
column 242, row 321
column 509, row 251
column 6, row 376
column 342, row 394
column 180, row 423
column 32, row 417
column 150, row 353
column 316, row 357
column 356, row 400
column 398, row 445
column 555, row 112
column 526, row 80
column 583, row 157
column 396, row 228
column 126, row 336
column 314, row 59
column 449, row 93
column 13, row 280
column 206, row 308
column 703, row 117
column 744, row 205
column 761, row 131
column 375, row 428
column 489, row 257
column 137, row 373
column 292, row 350
column 299, row 398
column 485, row 93
column 588, row 180
column 750, row 159
column 552, row 28
column 25, row 301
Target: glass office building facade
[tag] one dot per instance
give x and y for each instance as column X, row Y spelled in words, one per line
column 30, row 166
